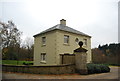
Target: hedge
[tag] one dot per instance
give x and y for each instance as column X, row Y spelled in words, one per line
column 97, row 68
column 24, row 63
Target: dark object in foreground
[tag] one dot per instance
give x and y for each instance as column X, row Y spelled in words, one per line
column 27, row 63
column 80, row 49
column 97, row 68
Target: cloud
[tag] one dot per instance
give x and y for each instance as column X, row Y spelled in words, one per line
column 97, row 18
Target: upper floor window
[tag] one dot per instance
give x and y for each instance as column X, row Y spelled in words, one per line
column 43, row 40
column 85, row 42
column 76, row 40
column 66, row 39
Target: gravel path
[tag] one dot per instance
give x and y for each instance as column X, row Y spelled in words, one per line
column 111, row 75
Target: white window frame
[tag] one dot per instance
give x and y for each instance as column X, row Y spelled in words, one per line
column 43, row 57
column 85, row 42
column 43, row 40
column 66, row 39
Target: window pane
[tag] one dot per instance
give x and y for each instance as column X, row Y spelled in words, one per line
column 66, row 39
column 76, row 40
column 43, row 40
column 43, row 56
column 85, row 42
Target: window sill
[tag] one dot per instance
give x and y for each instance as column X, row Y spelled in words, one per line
column 43, row 45
column 44, row 62
column 66, row 44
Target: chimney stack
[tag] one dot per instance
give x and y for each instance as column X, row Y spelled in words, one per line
column 63, row 22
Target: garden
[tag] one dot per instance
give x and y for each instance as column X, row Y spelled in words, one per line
column 15, row 62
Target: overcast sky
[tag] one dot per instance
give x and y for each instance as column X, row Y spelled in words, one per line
column 97, row 18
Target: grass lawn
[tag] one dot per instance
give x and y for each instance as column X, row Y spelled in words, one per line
column 14, row 62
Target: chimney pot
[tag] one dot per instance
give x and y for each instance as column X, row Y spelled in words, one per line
column 63, row 22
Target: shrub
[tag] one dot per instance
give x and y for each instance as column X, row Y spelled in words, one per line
column 97, row 68
column 90, row 68
column 115, row 64
column 105, row 68
column 27, row 63
column 24, row 63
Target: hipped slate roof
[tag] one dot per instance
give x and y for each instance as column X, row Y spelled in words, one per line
column 63, row 28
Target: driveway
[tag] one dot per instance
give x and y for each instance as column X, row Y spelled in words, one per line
column 111, row 75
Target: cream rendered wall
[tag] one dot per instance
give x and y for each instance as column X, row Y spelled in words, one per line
column 49, row 49
column 55, row 46
column 63, row 48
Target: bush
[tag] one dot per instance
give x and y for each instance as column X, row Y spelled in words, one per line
column 27, row 63
column 105, row 68
column 97, row 68
column 115, row 64
column 90, row 68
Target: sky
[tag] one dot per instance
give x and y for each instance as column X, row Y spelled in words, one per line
column 97, row 18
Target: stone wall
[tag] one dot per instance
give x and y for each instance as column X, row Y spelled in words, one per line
column 67, row 58
column 52, row 69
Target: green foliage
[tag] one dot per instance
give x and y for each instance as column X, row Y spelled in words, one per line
column 24, row 63
column 90, row 68
column 11, row 43
column 114, row 64
column 11, row 40
column 15, row 62
column 106, row 54
column 97, row 68
column 111, row 49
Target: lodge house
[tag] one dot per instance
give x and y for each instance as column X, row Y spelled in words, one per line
column 58, row 40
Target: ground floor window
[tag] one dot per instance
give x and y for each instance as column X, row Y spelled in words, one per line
column 43, row 56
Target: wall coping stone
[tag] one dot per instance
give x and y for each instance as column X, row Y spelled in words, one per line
column 62, row 65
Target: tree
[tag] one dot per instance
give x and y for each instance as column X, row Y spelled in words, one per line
column 10, row 36
column 28, row 44
column 99, row 46
column 98, row 56
column 107, row 54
